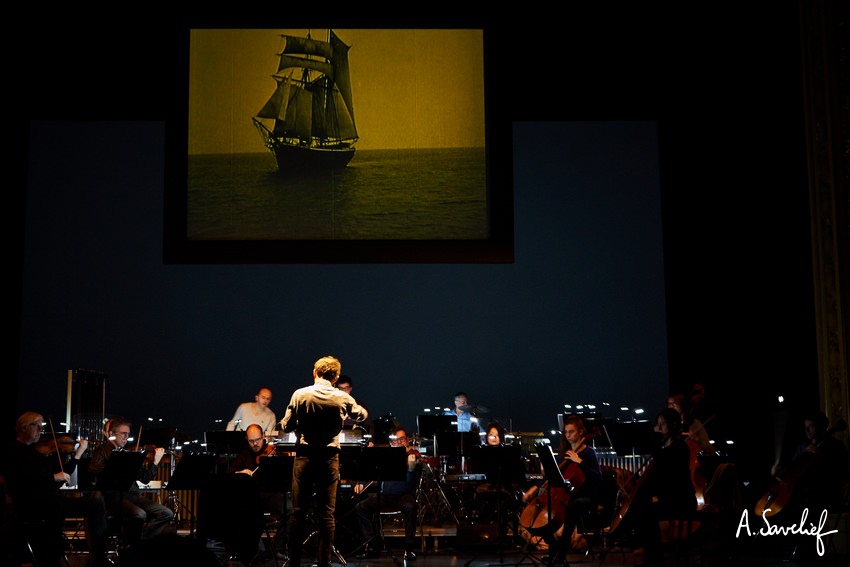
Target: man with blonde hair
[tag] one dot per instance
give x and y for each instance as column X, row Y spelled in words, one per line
column 316, row 414
column 34, row 480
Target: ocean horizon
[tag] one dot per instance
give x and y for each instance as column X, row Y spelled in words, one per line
column 409, row 194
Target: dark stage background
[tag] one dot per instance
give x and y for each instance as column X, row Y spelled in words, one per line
column 661, row 234
column 581, row 308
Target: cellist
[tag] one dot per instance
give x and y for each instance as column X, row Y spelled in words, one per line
column 814, row 477
column 667, row 491
column 577, row 461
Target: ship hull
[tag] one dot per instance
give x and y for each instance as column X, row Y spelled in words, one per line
column 302, row 158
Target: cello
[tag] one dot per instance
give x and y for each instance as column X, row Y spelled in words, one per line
column 777, row 496
column 546, row 511
column 637, row 480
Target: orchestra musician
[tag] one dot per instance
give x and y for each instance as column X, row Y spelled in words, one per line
column 34, row 479
column 495, row 434
column 257, row 412
column 248, row 460
column 691, row 425
column 247, row 502
column 399, row 494
column 573, row 451
column 346, row 384
column 315, row 413
column 815, row 476
column 148, row 519
column 465, row 420
column 666, row 490
column 496, row 502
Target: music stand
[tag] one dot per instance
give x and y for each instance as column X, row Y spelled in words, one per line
column 428, row 425
column 458, row 444
column 192, row 473
column 632, row 438
column 274, row 473
column 230, row 511
column 120, row 472
column 225, row 442
column 501, row 464
column 380, row 464
column 555, row 479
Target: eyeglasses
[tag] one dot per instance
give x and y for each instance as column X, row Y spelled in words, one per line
column 253, row 441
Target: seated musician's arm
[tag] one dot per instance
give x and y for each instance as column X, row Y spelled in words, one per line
column 589, row 465
column 529, row 494
column 148, row 471
column 237, row 416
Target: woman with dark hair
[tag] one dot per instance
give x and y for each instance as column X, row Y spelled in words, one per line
column 666, row 491
column 495, row 434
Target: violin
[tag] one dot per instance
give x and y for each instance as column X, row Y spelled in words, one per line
column 269, row 450
column 151, row 452
column 65, row 445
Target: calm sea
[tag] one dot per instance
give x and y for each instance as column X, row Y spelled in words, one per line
column 382, row 194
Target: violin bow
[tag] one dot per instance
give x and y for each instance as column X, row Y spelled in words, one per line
column 56, row 444
column 139, row 440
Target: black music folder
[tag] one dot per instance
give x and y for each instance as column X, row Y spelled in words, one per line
column 457, row 443
column 192, row 471
column 634, row 437
column 274, row 473
column 378, row 463
column 225, row 442
column 500, row 464
column 429, row 425
column 121, row 471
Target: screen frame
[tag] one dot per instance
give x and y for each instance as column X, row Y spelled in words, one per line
column 496, row 248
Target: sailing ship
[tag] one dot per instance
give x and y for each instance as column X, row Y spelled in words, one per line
column 308, row 122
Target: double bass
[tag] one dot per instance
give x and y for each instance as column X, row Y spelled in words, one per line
column 546, row 511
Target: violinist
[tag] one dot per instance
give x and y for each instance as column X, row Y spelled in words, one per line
column 399, row 494
column 248, row 460
column 148, row 519
column 34, row 479
column 579, row 463
column 245, row 503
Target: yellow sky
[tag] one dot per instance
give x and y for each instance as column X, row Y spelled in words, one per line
column 411, row 88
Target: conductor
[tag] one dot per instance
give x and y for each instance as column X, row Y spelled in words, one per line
column 316, row 414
